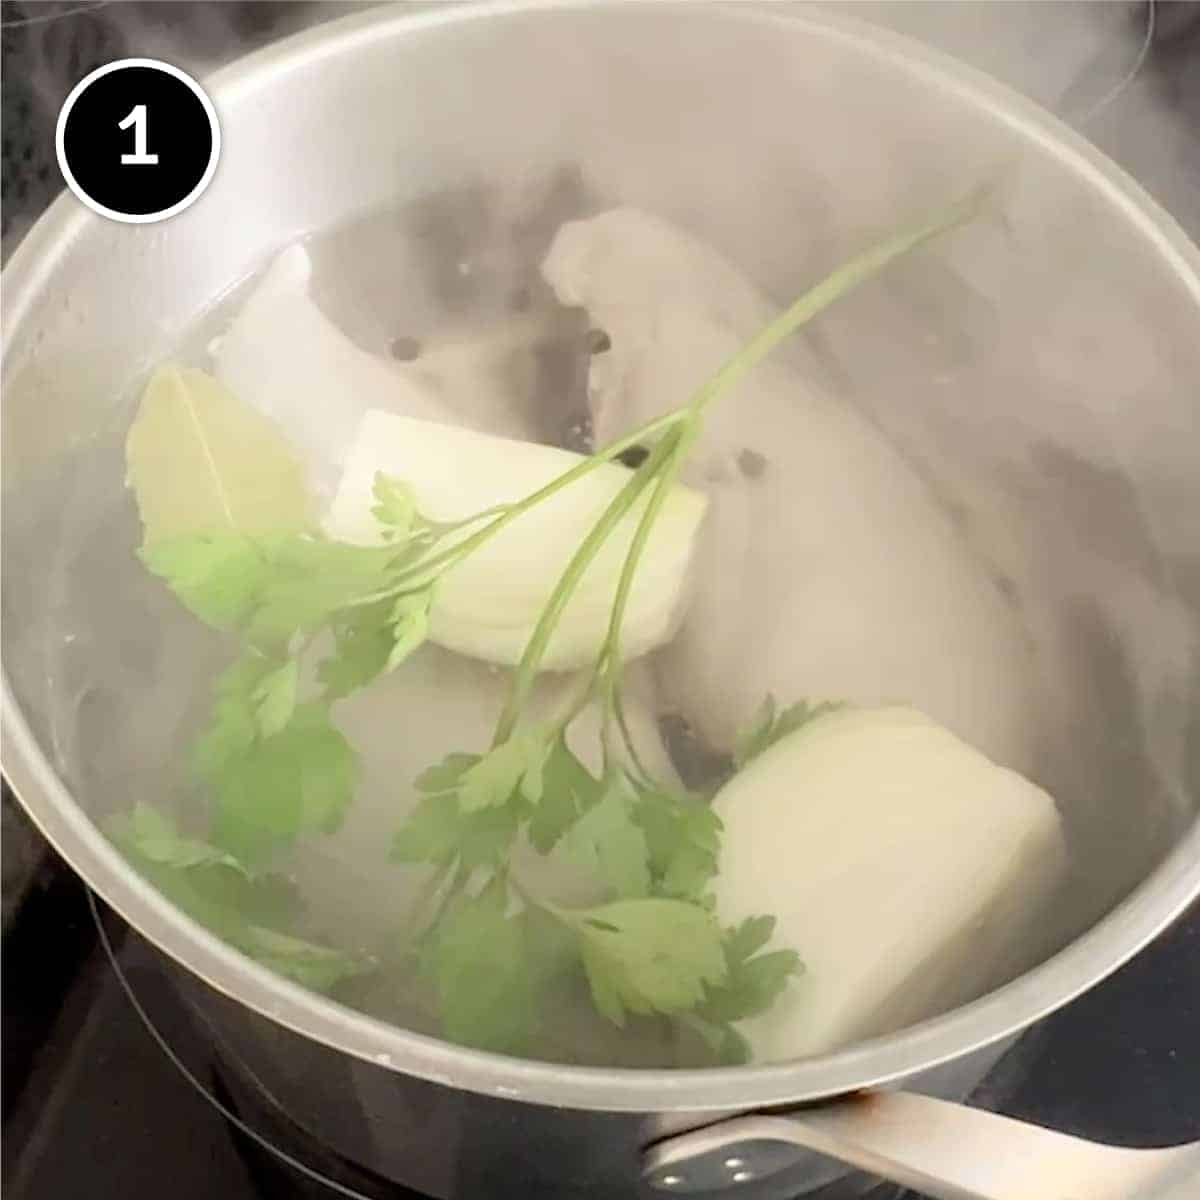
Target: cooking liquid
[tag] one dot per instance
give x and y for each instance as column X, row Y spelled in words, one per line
column 129, row 669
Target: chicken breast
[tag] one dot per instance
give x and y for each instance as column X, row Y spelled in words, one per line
column 826, row 569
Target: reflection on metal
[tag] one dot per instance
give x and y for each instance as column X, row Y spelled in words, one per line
column 947, row 1151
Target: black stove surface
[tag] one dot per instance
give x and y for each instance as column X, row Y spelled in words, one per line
column 93, row 1106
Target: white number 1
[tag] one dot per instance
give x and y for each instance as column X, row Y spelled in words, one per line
column 139, row 157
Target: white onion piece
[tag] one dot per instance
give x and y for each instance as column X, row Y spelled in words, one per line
column 827, row 569
column 903, row 866
column 487, row 605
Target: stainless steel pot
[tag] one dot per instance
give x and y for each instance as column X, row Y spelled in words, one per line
column 1044, row 365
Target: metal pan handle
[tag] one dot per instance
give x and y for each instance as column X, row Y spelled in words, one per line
column 944, row 1150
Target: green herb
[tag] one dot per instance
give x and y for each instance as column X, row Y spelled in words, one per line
column 408, row 623
column 309, row 581
column 276, row 764
column 225, row 896
column 318, row 967
column 233, row 726
column 753, row 982
column 446, row 775
column 363, row 641
column 395, row 507
column 511, row 768
column 217, row 576
column 647, row 956
column 229, row 532
column 770, row 725
column 272, row 783
column 442, row 830
column 439, row 831
column 568, row 790
column 156, row 839
column 607, row 842
column 753, row 979
column 683, row 836
column 479, row 962
column 274, row 698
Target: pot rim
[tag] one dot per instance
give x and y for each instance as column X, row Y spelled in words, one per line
column 1001, row 1013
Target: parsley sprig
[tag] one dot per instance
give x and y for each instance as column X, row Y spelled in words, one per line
column 318, row 620
column 255, row 912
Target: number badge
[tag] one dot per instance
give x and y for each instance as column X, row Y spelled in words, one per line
column 138, row 140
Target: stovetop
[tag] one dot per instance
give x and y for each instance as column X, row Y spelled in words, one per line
column 92, row 1104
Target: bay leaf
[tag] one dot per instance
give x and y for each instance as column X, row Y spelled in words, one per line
column 202, row 461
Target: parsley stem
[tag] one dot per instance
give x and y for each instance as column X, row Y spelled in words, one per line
column 845, row 278
column 532, row 901
column 835, row 285
column 511, row 512
column 635, row 759
column 414, row 926
column 586, row 695
column 531, row 659
column 848, row 276
column 680, row 443
column 456, row 885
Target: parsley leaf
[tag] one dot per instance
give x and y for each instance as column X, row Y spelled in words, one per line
column 217, row 576
column 747, row 939
column 233, row 726
column 753, row 981
column 480, row 964
column 299, row 780
column 768, row 726
column 607, row 842
column 445, row 776
column 438, row 831
column 652, row 955
column 395, row 506
column 149, row 834
column 683, row 836
column 274, row 698
column 441, row 828
column 552, row 948
column 724, row 1044
column 272, row 587
column 568, row 790
column 515, row 763
column 219, row 892
column 214, row 888
column 311, row 579
column 752, row 984
column 432, row 832
column 362, row 641
column 409, row 625
column 320, row 968
column 370, row 640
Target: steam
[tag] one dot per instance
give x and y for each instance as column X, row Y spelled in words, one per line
column 1117, row 70
column 1111, row 67
column 50, row 45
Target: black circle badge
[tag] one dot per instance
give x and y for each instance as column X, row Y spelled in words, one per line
column 137, row 140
